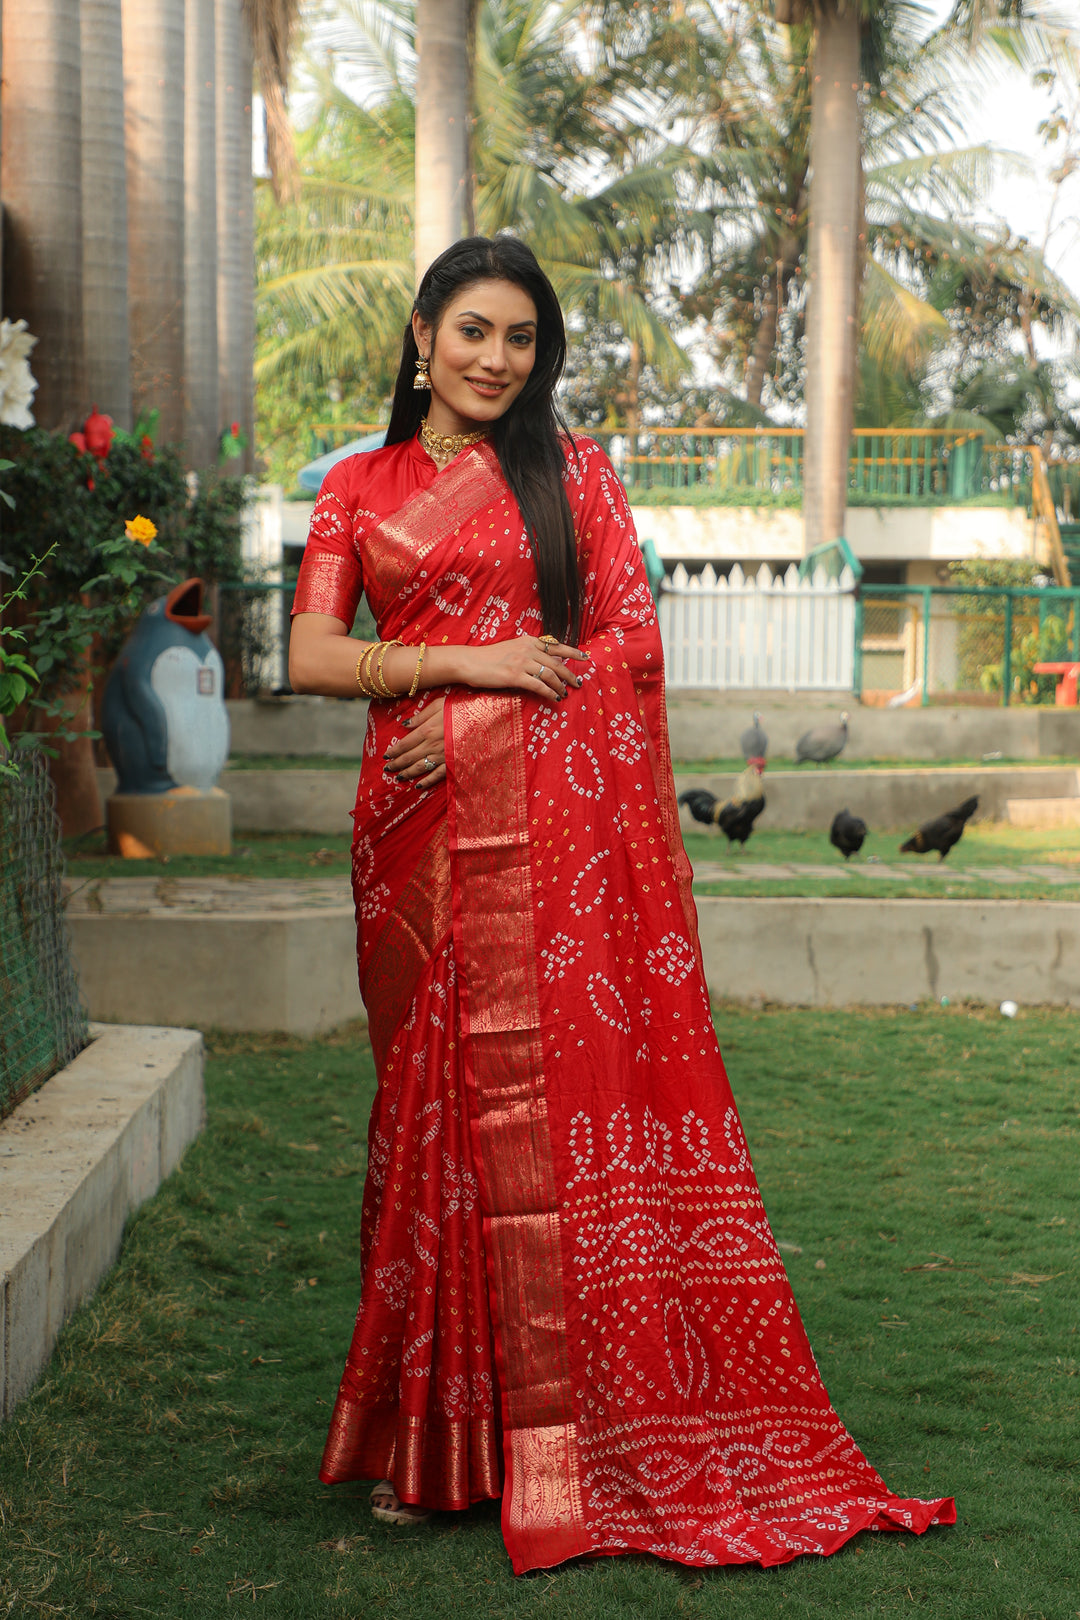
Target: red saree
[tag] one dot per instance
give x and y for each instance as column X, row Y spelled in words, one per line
column 570, row 1293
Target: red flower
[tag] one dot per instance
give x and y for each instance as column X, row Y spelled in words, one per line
column 234, row 429
column 146, row 447
column 79, row 441
column 98, row 433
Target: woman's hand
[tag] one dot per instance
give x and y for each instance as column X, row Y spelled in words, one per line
column 421, row 756
column 535, row 664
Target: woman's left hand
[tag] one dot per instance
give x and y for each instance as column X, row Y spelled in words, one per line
column 420, row 757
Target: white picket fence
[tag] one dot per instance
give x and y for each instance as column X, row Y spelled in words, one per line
column 759, row 632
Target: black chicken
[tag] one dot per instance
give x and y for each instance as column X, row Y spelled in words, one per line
column 941, row 833
column 847, row 833
column 735, row 816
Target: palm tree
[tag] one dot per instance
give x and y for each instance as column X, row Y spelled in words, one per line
column 442, row 125
column 336, row 273
column 272, row 24
column 850, row 39
column 202, row 422
column 154, row 113
column 105, row 227
column 41, row 185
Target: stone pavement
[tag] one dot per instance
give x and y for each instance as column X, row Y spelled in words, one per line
column 242, row 896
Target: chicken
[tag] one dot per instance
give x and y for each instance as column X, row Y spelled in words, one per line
column 735, row 816
column 847, row 833
column 822, row 742
column 941, row 833
column 754, row 743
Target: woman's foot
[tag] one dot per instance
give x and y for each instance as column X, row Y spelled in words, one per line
column 389, row 1509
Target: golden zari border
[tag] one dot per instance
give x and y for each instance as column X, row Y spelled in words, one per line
column 400, row 543
column 420, row 921
column 504, row 1063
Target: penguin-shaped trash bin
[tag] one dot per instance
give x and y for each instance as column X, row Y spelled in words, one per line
column 167, row 731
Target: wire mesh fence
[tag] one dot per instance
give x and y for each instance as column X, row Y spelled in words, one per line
column 974, row 645
column 42, row 1022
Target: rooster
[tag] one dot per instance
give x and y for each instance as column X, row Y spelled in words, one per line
column 735, row 816
column 941, row 833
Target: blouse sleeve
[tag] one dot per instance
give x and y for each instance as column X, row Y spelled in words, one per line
column 330, row 579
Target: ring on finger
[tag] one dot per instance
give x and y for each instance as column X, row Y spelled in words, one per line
column 429, row 764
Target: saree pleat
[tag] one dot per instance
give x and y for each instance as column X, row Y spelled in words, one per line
column 569, row 1286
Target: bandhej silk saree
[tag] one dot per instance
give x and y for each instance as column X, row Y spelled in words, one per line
column 570, row 1292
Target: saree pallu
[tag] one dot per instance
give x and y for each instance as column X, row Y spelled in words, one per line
column 570, row 1288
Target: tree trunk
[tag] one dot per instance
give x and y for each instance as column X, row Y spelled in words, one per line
column 236, row 229
column 105, row 224
column 832, row 308
column 442, row 109
column 154, row 115
column 40, row 181
column 201, row 418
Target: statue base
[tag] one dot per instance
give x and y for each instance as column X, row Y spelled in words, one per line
column 181, row 822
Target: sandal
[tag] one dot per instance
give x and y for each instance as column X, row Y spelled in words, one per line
column 386, row 1507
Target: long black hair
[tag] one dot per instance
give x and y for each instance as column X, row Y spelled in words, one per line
column 527, row 436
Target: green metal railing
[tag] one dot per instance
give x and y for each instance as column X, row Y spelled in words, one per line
column 920, row 464
column 987, row 642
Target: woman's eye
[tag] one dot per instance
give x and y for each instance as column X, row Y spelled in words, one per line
column 471, row 332
column 521, row 340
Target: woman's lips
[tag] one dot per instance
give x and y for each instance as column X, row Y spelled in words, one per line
column 488, row 389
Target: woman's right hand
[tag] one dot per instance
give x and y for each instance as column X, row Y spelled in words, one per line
column 527, row 664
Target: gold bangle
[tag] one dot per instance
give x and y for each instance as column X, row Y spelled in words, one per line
column 363, row 673
column 415, row 687
column 384, row 648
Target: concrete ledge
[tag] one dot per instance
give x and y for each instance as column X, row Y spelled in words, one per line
column 76, row 1159
column 1043, row 812
column 263, row 970
column 807, row 800
column 707, row 725
column 852, row 953
column 322, row 801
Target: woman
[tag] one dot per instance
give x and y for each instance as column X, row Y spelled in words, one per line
column 570, row 1293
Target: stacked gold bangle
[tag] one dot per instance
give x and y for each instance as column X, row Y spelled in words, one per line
column 371, row 680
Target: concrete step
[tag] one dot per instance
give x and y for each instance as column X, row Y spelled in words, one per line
column 321, row 801
column 76, row 1158
column 1042, row 813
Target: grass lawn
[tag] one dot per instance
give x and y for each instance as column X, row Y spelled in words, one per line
column 920, row 1170
column 782, row 762
column 255, row 855
column 984, row 844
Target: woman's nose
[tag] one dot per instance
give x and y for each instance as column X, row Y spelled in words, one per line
column 494, row 357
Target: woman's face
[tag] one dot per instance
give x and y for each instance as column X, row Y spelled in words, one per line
column 482, row 354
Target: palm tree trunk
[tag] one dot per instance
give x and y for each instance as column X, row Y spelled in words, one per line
column 236, row 227
column 271, row 23
column 154, row 114
column 41, row 184
column 201, row 422
column 442, row 110
column 105, row 223
column 832, row 309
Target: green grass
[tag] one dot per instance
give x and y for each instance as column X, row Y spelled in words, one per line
column 986, row 843
column 255, row 855
column 165, row 1463
column 294, row 762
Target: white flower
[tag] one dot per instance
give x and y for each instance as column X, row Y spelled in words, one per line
column 17, row 386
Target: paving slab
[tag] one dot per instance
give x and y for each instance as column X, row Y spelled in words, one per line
column 76, row 1159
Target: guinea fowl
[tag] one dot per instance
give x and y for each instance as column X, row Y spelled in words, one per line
column 847, row 833
column 735, row 816
column 822, row 742
column 941, row 833
column 753, row 742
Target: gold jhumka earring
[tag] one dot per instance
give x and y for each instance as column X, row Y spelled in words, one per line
column 421, row 380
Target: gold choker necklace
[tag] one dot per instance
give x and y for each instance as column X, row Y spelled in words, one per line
column 443, row 447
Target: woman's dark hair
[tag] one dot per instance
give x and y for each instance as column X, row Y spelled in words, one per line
column 527, row 437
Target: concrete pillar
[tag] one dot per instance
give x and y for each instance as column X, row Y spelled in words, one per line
column 41, row 185
column 154, row 117
column 236, row 227
column 202, row 422
column 105, row 223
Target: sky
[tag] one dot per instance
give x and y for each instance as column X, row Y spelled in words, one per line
column 1006, row 115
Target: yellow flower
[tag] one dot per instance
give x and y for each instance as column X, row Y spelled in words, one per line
column 140, row 529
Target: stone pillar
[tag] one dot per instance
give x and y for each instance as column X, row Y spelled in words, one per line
column 105, row 225
column 41, row 186
column 236, row 227
column 202, row 422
